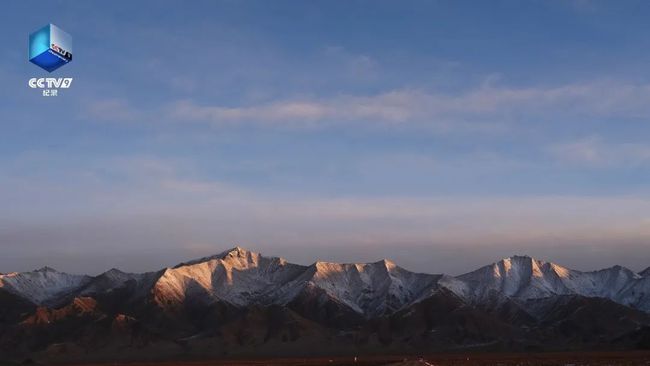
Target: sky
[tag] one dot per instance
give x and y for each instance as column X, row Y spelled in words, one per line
column 443, row 135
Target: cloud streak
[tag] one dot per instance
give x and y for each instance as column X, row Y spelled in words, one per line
column 596, row 152
column 162, row 209
column 486, row 106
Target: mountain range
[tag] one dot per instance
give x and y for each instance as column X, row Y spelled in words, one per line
column 239, row 302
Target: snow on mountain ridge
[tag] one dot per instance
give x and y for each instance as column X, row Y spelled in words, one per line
column 42, row 284
column 525, row 278
column 367, row 288
column 237, row 276
column 236, row 251
column 518, row 276
column 645, row 272
column 242, row 277
column 109, row 281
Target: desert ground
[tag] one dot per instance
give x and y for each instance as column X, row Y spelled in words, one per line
column 486, row 359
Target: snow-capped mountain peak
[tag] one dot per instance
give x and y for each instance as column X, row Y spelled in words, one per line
column 237, row 276
column 241, row 277
column 45, row 269
column 41, row 285
column 645, row 272
column 517, row 276
column 109, row 281
column 367, row 288
column 236, row 252
column 524, row 278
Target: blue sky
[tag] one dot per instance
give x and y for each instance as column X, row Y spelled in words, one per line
column 335, row 130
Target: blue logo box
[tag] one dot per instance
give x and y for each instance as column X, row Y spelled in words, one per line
column 50, row 47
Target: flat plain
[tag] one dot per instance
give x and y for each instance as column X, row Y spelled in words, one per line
column 637, row 358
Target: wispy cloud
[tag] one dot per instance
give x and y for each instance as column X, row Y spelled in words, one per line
column 595, row 151
column 484, row 107
column 112, row 109
column 163, row 206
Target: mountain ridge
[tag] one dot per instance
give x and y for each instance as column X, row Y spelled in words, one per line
column 645, row 272
column 240, row 302
column 244, row 277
